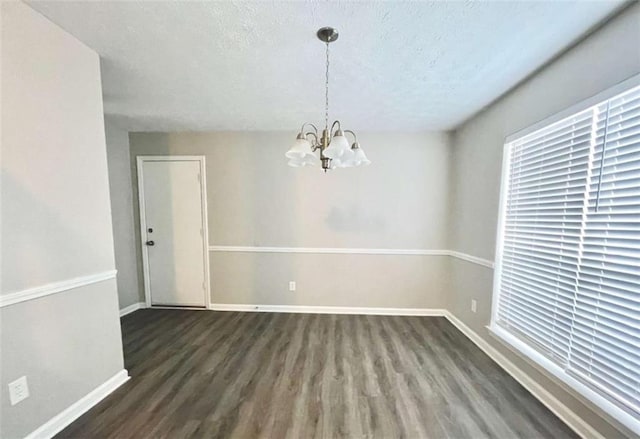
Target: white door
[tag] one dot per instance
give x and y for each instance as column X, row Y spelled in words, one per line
column 172, row 216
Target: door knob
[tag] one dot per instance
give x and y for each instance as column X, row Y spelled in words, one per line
column 150, row 243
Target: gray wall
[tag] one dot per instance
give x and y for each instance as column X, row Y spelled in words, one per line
column 129, row 284
column 607, row 57
column 255, row 199
column 56, row 221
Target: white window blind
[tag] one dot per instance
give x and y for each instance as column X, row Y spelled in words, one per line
column 568, row 278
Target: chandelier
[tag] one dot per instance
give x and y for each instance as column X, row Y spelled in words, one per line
column 333, row 144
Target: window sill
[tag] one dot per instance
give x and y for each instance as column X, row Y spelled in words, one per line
column 617, row 416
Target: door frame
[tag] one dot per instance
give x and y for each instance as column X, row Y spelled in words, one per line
column 140, row 160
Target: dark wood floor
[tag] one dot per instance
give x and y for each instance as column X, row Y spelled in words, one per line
column 248, row 375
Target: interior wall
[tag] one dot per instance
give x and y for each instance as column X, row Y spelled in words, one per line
column 129, row 285
column 256, row 200
column 604, row 59
column 56, row 222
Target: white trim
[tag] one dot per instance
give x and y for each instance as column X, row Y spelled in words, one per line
column 143, row 232
column 54, row 288
column 181, row 307
column 303, row 309
column 327, row 250
column 143, row 221
column 504, row 185
column 473, row 259
column 131, row 308
column 205, row 230
column 77, row 409
column 354, row 251
column 170, row 158
column 582, row 392
column 580, row 106
column 564, row 413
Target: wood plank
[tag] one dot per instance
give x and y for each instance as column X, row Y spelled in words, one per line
column 261, row 375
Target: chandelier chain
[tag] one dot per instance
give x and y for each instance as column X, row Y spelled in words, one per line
column 326, row 93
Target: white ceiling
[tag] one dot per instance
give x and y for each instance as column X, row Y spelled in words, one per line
column 258, row 66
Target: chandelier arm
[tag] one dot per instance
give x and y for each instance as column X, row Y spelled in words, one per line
column 333, row 125
column 315, row 145
column 308, row 123
column 355, row 139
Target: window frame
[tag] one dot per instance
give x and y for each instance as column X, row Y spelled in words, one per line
column 583, row 392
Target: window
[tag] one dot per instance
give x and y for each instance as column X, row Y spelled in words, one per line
column 567, row 285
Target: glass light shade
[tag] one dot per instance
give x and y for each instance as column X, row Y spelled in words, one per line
column 348, row 162
column 311, row 160
column 337, row 148
column 360, row 158
column 298, row 162
column 300, row 149
column 335, row 164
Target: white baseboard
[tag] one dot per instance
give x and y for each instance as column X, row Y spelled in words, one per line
column 328, row 309
column 131, row 308
column 77, row 409
column 566, row 415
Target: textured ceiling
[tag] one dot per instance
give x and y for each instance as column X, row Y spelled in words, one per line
column 258, row 65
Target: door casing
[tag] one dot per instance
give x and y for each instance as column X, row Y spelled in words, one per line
column 143, row 223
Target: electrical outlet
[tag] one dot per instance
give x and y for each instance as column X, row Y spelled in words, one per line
column 18, row 390
column 292, row 285
column 474, row 305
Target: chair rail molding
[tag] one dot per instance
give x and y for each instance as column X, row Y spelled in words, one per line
column 473, row 259
column 355, row 251
column 54, row 288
